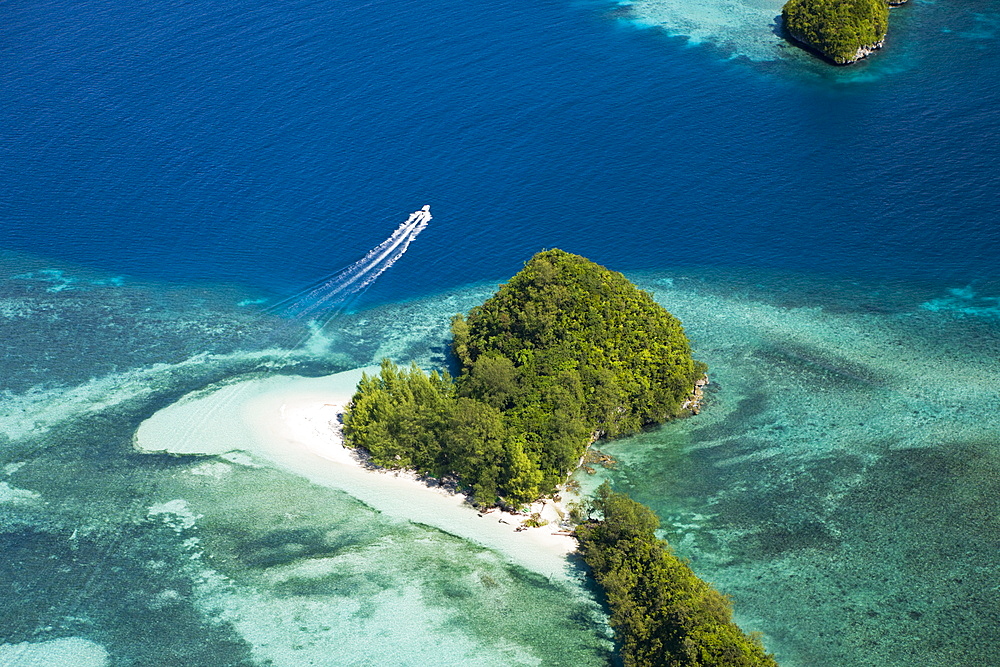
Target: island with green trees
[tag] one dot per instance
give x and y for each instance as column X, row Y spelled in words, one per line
column 567, row 352
column 843, row 31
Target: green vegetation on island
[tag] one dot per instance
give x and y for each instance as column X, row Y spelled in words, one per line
column 662, row 613
column 564, row 353
column 842, row 30
column 570, row 352
column 406, row 419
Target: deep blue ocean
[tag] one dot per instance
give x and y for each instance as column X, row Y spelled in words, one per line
column 169, row 167
column 267, row 145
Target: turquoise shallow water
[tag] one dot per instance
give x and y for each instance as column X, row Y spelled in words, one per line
column 841, row 485
column 842, row 482
column 163, row 560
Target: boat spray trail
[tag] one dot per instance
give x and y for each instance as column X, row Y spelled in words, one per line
column 320, row 303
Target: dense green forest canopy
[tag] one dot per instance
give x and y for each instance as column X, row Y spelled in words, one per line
column 566, row 352
column 837, row 28
column 405, row 418
column 662, row 613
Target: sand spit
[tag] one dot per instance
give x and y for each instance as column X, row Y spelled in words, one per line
column 293, row 423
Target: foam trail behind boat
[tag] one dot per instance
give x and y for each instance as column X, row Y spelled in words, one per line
column 345, row 286
column 349, row 281
column 321, row 302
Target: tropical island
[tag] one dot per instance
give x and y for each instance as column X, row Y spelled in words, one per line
column 843, row 31
column 565, row 353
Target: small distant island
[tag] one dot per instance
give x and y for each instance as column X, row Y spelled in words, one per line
column 566, row 353
column 843, row 31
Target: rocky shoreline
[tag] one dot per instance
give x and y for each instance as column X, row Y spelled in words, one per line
column 862, row 52
column 840, row 31
column 694, row 401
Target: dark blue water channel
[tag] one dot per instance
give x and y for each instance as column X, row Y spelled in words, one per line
column 269, row 144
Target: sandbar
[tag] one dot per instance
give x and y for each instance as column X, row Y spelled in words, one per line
column 293, row 423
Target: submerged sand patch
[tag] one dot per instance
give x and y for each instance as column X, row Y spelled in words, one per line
column 742, row 28
column 64, row 652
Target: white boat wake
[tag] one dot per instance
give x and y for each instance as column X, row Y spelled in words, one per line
column 316, row 305
column 337, row 288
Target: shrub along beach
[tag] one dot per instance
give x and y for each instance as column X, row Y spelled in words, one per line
column 663, row 613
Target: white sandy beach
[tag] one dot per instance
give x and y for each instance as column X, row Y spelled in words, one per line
column 293, row 423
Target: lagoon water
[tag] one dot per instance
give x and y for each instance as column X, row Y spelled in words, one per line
column 828, row 236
